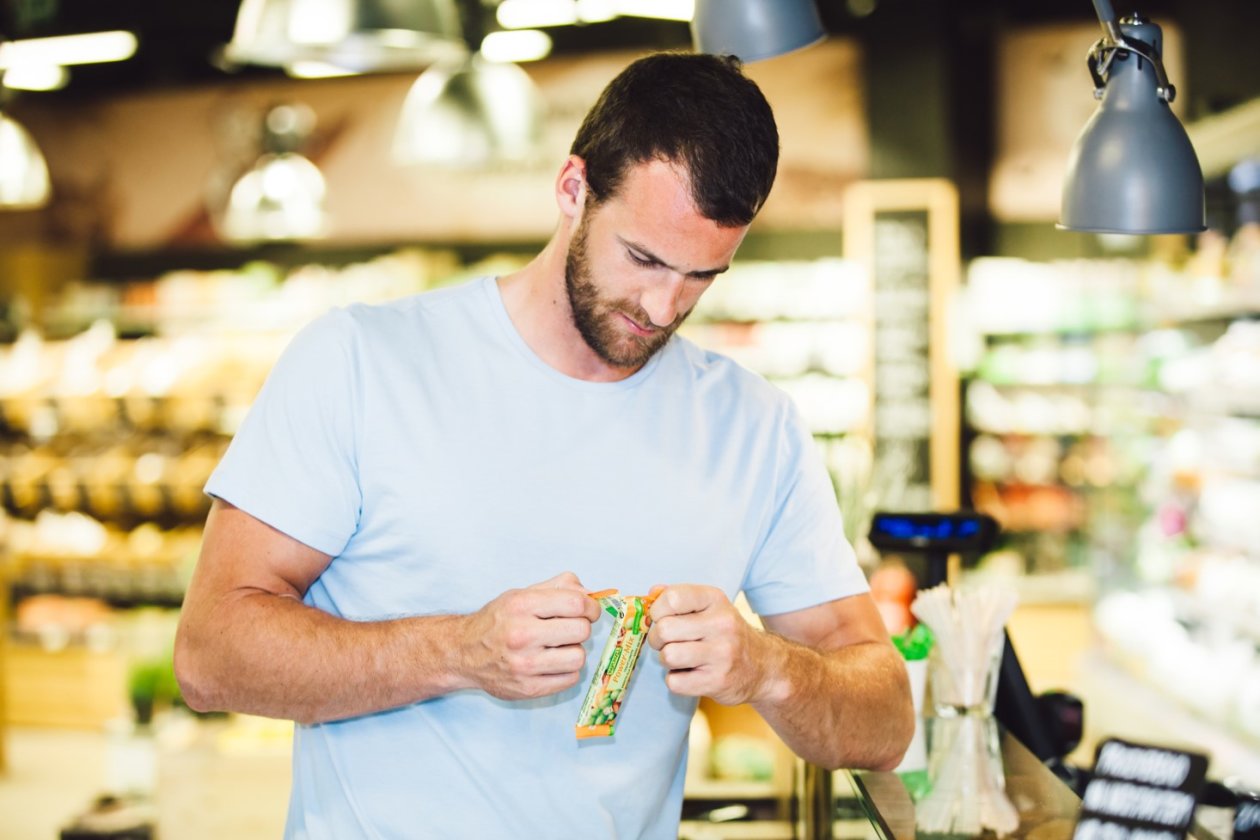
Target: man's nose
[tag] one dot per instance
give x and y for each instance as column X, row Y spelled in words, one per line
column 660, row 301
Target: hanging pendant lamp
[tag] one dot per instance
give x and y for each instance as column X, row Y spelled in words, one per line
column 754, row 30
column 1133, row 169
column 24, row 182
column 476, row 113
column 281, row 197
column 359, row 35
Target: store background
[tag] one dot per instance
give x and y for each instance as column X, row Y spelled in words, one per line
column 1109, row 400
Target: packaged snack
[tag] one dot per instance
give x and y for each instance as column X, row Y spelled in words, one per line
column 598, row 716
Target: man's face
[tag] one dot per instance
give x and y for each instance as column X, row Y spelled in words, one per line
column 638, row 262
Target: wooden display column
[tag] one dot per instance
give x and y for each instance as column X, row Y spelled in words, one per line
column 4, row 682
column 905, row 232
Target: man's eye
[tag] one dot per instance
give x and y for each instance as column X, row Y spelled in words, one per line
column 647, row 262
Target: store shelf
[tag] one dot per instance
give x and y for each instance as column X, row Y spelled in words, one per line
column 74, row 686
column 1109, row 356
column 721, row 789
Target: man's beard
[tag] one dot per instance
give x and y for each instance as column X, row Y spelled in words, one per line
column 597, row 319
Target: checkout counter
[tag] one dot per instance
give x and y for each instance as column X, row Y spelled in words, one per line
column 967, row 784
column 1041, row 805
column 990, row 775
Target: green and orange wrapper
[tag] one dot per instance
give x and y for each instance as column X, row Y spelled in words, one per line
column 598, row 716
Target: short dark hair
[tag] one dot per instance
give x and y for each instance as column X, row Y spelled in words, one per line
column 695, row 109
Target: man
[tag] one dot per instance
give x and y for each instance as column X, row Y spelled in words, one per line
column 407, row 524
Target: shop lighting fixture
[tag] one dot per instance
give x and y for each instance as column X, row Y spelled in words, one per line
column 1133, row 169
column 755, row 30
column 66, row 50
column 516, row 45
column 36, row 77
column 24, row 183
column 595, row 11
column 534, row 14
column 682, row 10
column 281, row 197
column 476, row 113
column 361, row 35
column 317, row 70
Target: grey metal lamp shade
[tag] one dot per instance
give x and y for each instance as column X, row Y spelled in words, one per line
column 24, row 183
column 472, row 114
column 359, row 35
column 1133, row 169
column 755, row 29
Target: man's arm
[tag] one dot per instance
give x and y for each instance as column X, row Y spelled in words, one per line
column 247, row 643
column 827, row 678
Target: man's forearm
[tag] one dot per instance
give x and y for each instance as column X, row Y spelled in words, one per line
column 275, row 656
column 845, row 708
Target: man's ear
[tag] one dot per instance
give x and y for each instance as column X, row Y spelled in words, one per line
column 571, row 186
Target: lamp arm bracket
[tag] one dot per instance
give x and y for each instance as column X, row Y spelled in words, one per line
column 1106, row 49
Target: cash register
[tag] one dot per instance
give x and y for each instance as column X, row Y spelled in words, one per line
column 1050, row 725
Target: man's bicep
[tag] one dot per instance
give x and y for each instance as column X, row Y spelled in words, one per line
column 240, row 553
column 831, row 625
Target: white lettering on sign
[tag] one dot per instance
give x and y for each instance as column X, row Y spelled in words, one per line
column 1139, row 764
column 1134, row 802
column 1098, row 830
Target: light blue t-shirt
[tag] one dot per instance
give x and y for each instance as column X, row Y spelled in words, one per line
column 424, row 446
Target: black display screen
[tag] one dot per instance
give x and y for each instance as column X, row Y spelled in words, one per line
column 931, row 532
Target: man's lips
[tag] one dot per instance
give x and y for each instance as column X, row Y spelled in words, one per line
column 636, row 327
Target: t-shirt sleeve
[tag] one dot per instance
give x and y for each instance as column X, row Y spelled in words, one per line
column 804, row 559
column 292, row 464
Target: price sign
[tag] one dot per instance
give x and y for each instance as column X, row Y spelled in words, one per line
column 905, row 234
column 1140, row 792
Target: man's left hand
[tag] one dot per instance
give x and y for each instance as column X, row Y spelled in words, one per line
column 708, row 647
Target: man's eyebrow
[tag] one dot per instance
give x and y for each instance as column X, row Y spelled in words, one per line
column 647, row 254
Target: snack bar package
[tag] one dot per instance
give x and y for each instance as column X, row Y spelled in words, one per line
column 598, row 716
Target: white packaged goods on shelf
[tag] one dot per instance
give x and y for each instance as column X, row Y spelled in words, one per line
column 785, row 348
column 802, row 290
column 1229, row 512
column 829, row 405
column 1006, row 295
column 1027, row 412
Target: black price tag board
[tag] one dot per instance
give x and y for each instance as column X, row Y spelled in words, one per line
column 1247, row 817
column 904, row 232
column 903, row 399
column 1140, row 792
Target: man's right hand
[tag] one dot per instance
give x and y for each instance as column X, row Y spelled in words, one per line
column 528, row 642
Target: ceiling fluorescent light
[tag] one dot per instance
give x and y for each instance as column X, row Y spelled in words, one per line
column 659, row 9
column 516, row 45
column 534, row 14
column 37, row 77
column 595, row 11
column 317, row 70
column 88, row 48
